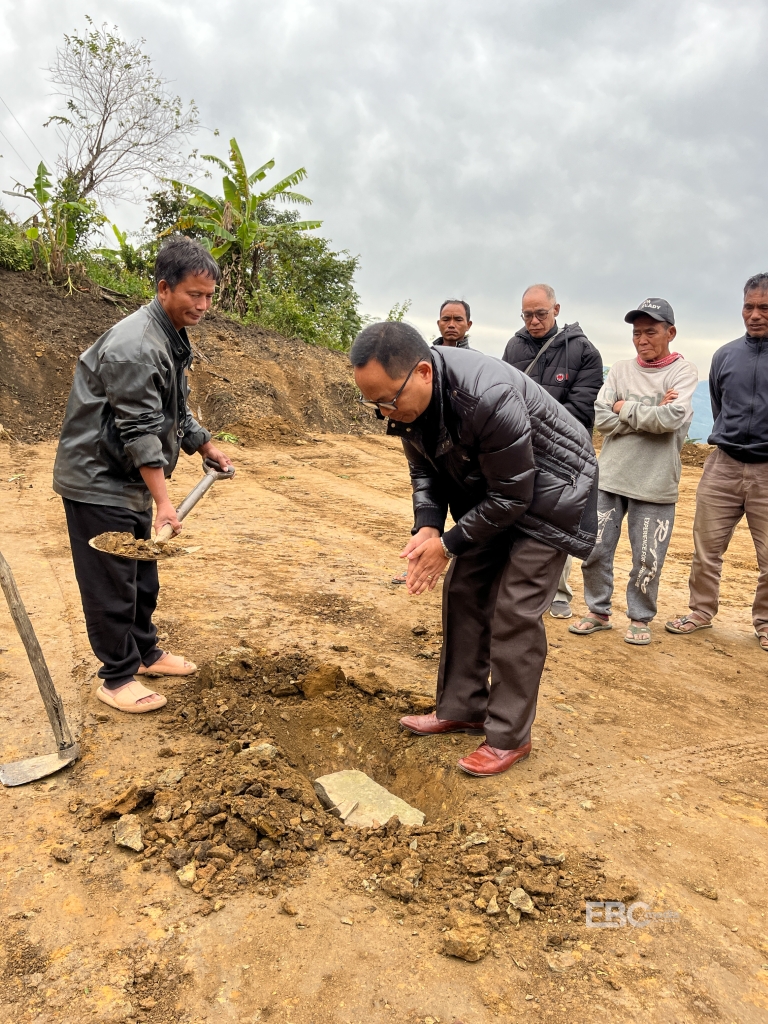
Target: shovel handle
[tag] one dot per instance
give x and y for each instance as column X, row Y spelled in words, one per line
column 212, row 473
column 53, row 702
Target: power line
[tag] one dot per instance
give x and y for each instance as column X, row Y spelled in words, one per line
column 18, row 122
column 18, row 154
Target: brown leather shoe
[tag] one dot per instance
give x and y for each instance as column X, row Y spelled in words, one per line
column 431, row 725
column 491, row 761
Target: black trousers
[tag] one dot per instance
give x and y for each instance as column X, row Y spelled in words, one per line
column 494, row 598
column 119, row 595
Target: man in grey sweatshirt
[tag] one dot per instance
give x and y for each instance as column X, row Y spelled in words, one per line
column 643, row 411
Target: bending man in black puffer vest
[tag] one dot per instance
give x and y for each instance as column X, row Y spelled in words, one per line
column 519, row 476
column 568, row 366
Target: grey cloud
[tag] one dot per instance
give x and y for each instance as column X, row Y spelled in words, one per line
column 614, row 150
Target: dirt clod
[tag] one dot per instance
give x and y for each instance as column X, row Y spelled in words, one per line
column 127, row 546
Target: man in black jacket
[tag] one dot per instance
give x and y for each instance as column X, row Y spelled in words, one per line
column 734, row 483
column 519, row 477
column 453, row 324
column 568, row 366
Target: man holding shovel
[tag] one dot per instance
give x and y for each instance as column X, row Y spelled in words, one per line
column 127, row 418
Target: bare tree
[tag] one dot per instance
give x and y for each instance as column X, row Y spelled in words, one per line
column 122, row 123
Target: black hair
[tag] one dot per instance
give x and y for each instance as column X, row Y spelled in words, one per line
column 758, row 282
column 457, row 302
column 398, row 347
column 180, row 257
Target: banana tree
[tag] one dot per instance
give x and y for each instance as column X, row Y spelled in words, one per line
column 50, row 228
column 235, row 231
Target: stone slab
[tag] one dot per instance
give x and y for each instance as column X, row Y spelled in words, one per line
column 360, row 801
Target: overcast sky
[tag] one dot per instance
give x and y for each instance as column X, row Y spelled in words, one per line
column 615, row 151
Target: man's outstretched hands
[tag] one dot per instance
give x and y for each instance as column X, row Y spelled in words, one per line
column 426, row 560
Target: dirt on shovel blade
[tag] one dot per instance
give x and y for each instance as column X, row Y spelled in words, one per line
column 127, row 546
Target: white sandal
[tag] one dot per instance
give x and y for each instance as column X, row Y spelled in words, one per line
column 127, row 698
column 179, row 666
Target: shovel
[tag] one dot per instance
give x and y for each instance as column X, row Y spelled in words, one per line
column 18, row 772
column 125, row 545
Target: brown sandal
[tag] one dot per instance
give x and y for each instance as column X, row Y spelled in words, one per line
column 763, row 638
column 127, row 698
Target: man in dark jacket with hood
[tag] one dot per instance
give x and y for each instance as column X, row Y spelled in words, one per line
column 453, row 324
column 568, row 366
column 520, row 479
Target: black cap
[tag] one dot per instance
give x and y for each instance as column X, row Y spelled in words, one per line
column 658, row 309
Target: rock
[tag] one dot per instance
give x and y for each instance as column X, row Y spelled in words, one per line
column 265, row 751
column 288, row 908
column 474, row 839
column 411, row 870
column 371, row 684
column 560, row 961
column 187, row 875
column 505, row 875
column 419, row 630
column 533, row 861
column 62, row 853
column 587, row 805
column 467, row 937
column 125, row 802
column 170, row 777
column 421, row 704
column 324, row 679
column 702, row 890
column 374, row 805
column 265, row 864
column 398, row 888
column 539, row 883
column 513, row 914
column 551, row 859
column 520, row 900
column 493, row 907
column 239, row 835
column 128, row 832
column 209, row 808
column 284, row 689
column 177, row 856
column 488, row 892
column 235, row 746
column 475, row 864
column 163, row 812
column 222, row 852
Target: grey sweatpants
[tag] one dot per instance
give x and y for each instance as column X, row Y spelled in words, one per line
column 650, row 527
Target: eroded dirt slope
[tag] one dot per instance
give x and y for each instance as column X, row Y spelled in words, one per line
column 649, row 765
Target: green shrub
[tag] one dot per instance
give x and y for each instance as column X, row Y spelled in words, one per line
column 112, row 273
column 15, row 253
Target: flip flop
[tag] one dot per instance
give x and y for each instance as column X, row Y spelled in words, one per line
column 169, row 665
column 763, row 638
column 635, row 631
column 127, row 698
column 684, row 620
column 596, row 625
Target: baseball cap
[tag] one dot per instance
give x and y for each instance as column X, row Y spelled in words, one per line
column 659, row 309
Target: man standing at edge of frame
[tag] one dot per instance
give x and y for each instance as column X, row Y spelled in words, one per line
column 519, row 475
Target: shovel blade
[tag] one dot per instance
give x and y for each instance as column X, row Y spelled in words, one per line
column 17, row 773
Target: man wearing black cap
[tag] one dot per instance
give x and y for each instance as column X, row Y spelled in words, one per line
column 643, row 411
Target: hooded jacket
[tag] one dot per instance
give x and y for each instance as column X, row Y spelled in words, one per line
column 738, row 391
column 127, row 408
column 505, row 455
column 571, row 369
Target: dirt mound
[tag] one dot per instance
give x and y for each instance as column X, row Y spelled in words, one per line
column 246, row 815
column 252, row 383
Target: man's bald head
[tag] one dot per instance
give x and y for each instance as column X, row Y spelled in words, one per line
column 547, row 290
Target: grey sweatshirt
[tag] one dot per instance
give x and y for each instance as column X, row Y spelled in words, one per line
column 640, row 457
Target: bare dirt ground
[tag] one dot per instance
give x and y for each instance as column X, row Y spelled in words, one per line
column 650, row 765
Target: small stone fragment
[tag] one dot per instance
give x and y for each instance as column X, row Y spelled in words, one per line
column 347, row 920
column 539, row 883
column 587, row 805
column 488, row 891
column 187, row 875
column 513, row 914
column 170, row 777
column 520, row 900
column 551, row 859
column 288, row 908
column 411, row 870
column 467, row 937
column 239, row 835
column 62, row 853
column 128, row 832
column 265, row 751
column 324, row 679
column 374, row 804
column 475, row 864
column 398, row 888
column 493, row 907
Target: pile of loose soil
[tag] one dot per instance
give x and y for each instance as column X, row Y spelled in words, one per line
column 246, row 815
column 250, row 382
column 127, row 546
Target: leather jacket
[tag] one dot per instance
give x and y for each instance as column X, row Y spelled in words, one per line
column 507, row 455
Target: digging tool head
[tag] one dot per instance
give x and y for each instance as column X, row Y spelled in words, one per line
column 125, row 545
column 18, row 772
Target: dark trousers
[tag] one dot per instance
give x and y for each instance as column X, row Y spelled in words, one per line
column 494, row 598
column 119, row 595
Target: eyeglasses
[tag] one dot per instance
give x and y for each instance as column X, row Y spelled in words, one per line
column 387, row 405
column 537, row 314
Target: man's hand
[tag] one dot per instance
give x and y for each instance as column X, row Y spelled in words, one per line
column 166, row 515
column 669, row 398
column 617, row 406
column 210, row 451
column 426, row 560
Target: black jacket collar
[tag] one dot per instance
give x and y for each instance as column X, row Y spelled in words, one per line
column 180, row 346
